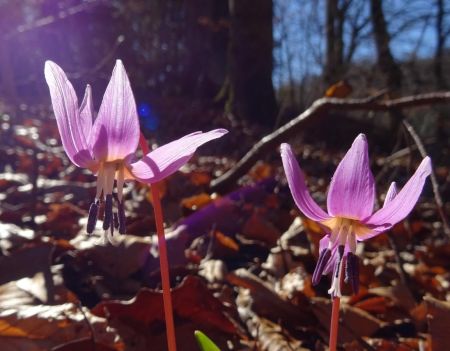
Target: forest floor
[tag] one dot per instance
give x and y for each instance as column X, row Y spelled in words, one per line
column 241, row 261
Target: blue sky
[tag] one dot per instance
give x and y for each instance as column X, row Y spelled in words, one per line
column 300, row 23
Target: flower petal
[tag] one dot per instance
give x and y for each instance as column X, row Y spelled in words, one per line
column 352, row 189
column 391, row 193
column 299, row 191
column 87, row 112
column 402, row 204
column 170, row 157
column 65, row 106
column 115, row 134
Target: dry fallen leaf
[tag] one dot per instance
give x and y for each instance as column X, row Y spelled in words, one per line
column 354, row 321
column 191, row 300
column 196, row 201
column 41, row 327
column 439, row 322
column 258, row 228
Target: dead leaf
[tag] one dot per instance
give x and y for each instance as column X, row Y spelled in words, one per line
column 225, row 242
column 355, row 322
column 213, row 270
column 196, row 201
column 271, row 337
column 42, row 327
column 86, row 344
column 267, row 303
column 438, row 322
column 199, row 178
column 258, row 228
column 63, row 218
column 399, row 294
column 191, row 300
column 261, row 171
column 126, row 256
column 27, row 262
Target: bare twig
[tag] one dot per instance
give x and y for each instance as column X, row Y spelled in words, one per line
column 434, row 182
column 320, row 107
column 89, row 325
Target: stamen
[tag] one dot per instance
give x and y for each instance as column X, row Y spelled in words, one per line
column 121, row 217
column 335, row 289
column 92, row 217
column 108, row 212
column 120, row 181
column 109, row 172
column 351, row 239
column 116, row 220
column 111, row 228
column 352, row 272
column 324, row 257
column 341, row 249
column 335, row 233
column 100, row 181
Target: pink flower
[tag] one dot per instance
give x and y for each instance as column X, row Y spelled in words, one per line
column 350, row 203
column 107, row 145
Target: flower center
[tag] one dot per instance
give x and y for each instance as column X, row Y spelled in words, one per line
column 339, row 255
column 109, row 172
column 342, row 224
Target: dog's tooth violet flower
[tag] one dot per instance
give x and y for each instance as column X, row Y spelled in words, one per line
column 107, row 145
column 350, row 203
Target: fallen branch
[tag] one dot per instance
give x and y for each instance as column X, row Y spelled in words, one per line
column 320, row 107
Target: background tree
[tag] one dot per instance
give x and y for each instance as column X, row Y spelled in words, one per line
column 385, row 59
column 250, row 60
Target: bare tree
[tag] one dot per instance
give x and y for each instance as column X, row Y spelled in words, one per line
column 335, row 16
column 441, row 35
column 386, row 62
column 251, row 61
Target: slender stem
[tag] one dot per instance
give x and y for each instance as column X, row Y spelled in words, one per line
column 163, row 260
column 334, row 323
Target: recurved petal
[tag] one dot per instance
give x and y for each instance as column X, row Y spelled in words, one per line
column 299, row 191
column 170, row 157
column 115, row 134
column 65, row 106
column 87, row 112
column 402, row 204
column 391, row 193
column 352, row 189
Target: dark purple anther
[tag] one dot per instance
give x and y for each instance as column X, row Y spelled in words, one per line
column 121, row 215
column 92, row 217
column 116, row 220
column 111, row 227
column 352, row 272
column 107, row 221
column 324, row 257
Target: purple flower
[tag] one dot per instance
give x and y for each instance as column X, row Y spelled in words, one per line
column 107, row 145
column 350, row 203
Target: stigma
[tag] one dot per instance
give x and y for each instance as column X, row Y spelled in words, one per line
column 339, row 255
column 110, row 174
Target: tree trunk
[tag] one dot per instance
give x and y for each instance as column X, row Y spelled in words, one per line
column 438, row 56
column 335, row 19
column 251, row 62
column 386, row 62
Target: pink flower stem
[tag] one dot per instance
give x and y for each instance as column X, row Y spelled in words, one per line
column 334, row 323
column 163, row 260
